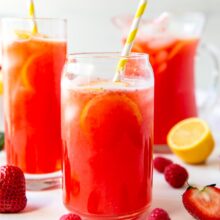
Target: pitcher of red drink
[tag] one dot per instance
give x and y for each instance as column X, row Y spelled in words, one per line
column 173, row 43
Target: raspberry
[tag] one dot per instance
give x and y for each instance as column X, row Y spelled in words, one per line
column 175, row 175
column 158, row 214
column 12, row 189
column 160, row 163
column 70, row 216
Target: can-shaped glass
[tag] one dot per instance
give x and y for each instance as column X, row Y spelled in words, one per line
column 107, row 131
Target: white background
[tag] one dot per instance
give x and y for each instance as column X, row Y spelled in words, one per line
column 90, row 27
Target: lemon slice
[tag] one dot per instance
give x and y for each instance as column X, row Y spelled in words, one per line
column 1, row 84
column 191, row 140
column 179, row 46
column 108, row 117
column 35, row 69
column 24, row 35
column 25, row 72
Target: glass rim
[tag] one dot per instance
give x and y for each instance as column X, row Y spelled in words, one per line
column 106, row 55
column 196, row 13
column 118, row 19
column 53, row 19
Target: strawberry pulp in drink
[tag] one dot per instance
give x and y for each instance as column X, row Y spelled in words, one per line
column 107, row 136
column 32, row 68
column 172, row 59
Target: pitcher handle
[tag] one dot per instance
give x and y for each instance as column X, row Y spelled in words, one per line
column 212, row 93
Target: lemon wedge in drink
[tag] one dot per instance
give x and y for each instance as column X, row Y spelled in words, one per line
column 34, row 70
column 108, row 116
column 27, row 72
column 24, row 35
column 1, row 84
column 191, row 140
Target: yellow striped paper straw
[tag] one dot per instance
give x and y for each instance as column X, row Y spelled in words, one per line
column 32, row 15
column 130, row 39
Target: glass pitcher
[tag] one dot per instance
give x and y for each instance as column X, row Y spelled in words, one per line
column 181, row 89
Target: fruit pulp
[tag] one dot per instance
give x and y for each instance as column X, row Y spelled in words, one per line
column 32, row 70
column 172, row 60
column 107, row 140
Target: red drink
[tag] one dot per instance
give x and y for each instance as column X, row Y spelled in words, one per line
column 172, row 60
column 107, row 137
column 32, row 69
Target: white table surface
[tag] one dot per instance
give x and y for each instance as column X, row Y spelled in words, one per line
column 47, row 205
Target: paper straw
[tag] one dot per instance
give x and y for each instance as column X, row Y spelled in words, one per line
column 32, row 15
column 130, row 39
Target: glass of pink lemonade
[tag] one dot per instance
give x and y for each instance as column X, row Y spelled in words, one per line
column 1, row 92
column 172, row 43
column 107, row 133
column 32, row 66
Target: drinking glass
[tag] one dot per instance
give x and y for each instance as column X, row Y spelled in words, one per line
column 107, row 133
column 1, row 91
column 32, row 63
column 172, row 41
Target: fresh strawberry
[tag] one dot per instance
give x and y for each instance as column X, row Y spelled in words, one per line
column 158, row 214
column 203, row 204
column 70, row 216
column 160, row 163
column 12, row 189
column 175, row 175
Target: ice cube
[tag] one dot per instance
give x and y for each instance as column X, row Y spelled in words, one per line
column 70, row 112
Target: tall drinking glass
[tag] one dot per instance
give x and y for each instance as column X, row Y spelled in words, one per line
column 107, row 131
column 32, row 66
